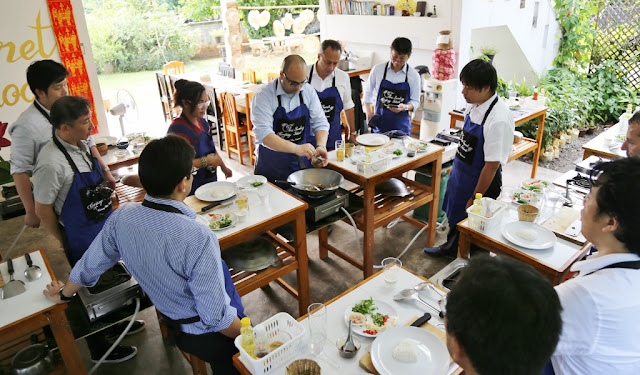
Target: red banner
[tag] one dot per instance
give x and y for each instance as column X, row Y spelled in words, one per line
column 64, row 28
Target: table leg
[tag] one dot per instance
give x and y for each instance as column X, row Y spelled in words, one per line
column 538, row 150
column 436, row 171
column 300, row 244
column 452, row 123
column 367, row 242
column 586, row 154
column 464, row 245
column 67, row 344
column 323, row 241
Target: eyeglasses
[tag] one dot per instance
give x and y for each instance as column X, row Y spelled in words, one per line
column 294, row 83
column 204, row 104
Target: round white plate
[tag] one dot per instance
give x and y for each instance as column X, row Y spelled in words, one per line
column 234, row 220
column 531, row 183
column 433, row 357
column 202, row 220
column 216, row 191
column 383, row 308
column 544, row 237
column 522, row 196
column 372, row 140
column 246, row 182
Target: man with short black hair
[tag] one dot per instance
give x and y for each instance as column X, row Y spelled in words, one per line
column 632, row 144
column 502, row 317
column 601, row 305
column 394, row 90
column 487, row 139
column 334, row 91
column 175, row 259
column 47, row 80
column 284, row 114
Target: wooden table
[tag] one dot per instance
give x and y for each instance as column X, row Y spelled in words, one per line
column 131, row 156
column 374, row 286
column 605, row 145
column 36, row 312
column 282, row 208
column 553, row 263
column 526, row 145
column 355, row 73
column 380, row 210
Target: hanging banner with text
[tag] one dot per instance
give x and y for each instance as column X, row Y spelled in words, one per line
column 64, row 29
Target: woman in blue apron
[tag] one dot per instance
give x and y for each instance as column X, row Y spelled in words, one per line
column 290, row 126
column 392, row 94
column 192, row 126
column 332, row 106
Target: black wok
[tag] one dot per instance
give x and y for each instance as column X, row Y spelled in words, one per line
column 315, row 181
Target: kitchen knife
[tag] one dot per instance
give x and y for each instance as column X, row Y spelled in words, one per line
column 214, row 205
column 422, row 320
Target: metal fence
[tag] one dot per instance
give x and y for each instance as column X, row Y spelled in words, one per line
column 618, row 37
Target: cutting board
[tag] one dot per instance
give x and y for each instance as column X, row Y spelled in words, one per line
column 365, row 361
column 561, row 220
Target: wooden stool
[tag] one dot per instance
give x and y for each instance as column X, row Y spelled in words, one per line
column 198, row 366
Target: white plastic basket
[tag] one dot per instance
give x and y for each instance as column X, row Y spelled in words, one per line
column 285, row 353
column 486, row 224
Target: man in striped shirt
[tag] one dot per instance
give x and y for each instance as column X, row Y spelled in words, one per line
column 176, row 260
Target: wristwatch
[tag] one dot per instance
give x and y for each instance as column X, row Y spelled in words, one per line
column 106, row 169
column 203, row 161
column 65, row 298
column 323, row 146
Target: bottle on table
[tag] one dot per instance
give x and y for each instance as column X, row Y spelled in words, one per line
column 367, row 155
column 477, row 204
column 535, row 93
column 262, row 347
column 246, row 336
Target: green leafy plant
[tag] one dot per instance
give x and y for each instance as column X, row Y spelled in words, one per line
column 577, row 24
column 614, row 94
column 488, row 51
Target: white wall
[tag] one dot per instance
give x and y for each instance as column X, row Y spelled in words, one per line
column 19, row 28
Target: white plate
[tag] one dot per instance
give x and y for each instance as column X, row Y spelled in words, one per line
column 246, row 182
column 234, row 220
column 202, row 220
column 216, row 191
column 108, row 140
column 530, row 183
column 433, row 357
column 544, row 237
column 526, row 196
column 372, row 140
column 383, row 308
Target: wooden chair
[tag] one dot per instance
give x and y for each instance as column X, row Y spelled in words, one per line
column 233, row 130
column 251, row 136
column 225, row 69
column 249, row 75
column 198, row 366
column 173, row 67
column 272, row 76
column 176, row 111
column 164, row 96
column 214, row 115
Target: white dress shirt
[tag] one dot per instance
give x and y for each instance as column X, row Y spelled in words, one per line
column 497, row 131
column 375, row 78
column 600, row 329
column 343, row 84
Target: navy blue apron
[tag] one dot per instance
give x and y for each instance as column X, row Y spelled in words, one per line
column 289, row 126
column 86, row 208
column 332, row 106
column 467, row 166
column 202, row 142
column 393, row 93
column 228, row 282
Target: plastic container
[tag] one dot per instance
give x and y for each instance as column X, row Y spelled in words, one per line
column 282, row 355
column 378, row 163
column 486, row 224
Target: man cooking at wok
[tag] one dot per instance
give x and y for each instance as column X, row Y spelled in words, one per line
column 281, row 112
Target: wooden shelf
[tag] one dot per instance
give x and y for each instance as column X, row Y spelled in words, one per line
column 523, row 147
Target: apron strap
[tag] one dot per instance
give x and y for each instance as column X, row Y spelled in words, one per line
column 161, row 207
column 68, row 157
column 44, row 113
column 493, row 103
column 311, row 72
column 633, row 264
column 384, row 76
column 406, row 75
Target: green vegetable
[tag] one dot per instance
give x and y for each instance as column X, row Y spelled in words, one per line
column 147, row 138
column 397, row 151
column 257, row 183
column 222, row 223
column 378, row 319
column 365, row 306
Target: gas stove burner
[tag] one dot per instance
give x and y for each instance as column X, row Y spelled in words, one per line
column 116, row 275
column 324, row 205
column 581, row 181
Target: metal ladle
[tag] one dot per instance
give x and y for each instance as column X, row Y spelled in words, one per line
column 32, row 273
column 407, row 294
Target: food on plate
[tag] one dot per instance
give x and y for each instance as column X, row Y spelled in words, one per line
column 521, row 197
column 535, row 185
column 257, row 183
column 219, row 221
column 365, row 306
column 219, row 193
column 357, row 318
column 397, row 152
column 377, row 140
column 527, row 234
column 622, row 137
column 406, row 351
column 374, row 321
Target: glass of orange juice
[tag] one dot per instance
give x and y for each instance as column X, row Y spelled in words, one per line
column 340, row 150
column 243, row 202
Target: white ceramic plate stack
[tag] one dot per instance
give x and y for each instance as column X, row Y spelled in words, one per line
column 372, row 140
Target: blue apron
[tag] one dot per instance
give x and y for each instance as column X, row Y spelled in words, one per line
column 332, row 106
column 86, row 208
column 467, row 166
column 234, row 297
column 202, row 142
column 393, row 93
column 289, row 126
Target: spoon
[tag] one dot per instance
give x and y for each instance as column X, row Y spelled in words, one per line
column 348, row 350
column 407, row 294
column 32, row 273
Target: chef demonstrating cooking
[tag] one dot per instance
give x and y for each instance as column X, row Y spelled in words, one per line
column 394, row 88
column 487, row 138
column 180, row 269
column 72, row 199
column 334, row 91
column 281, row 111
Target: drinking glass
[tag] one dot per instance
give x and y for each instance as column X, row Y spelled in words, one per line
column 243, row 202
column 263, row 194
column 391, row 267
column 317, row 327
column 340, row 150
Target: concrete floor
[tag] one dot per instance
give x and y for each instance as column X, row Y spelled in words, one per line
column 328, row 277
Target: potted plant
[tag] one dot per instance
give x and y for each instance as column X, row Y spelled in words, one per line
column 592, row 127
column 489, row 52
column 218, row 34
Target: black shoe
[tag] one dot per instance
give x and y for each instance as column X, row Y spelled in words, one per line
column 115, row 331
column 438, row 251
column 120, row 354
